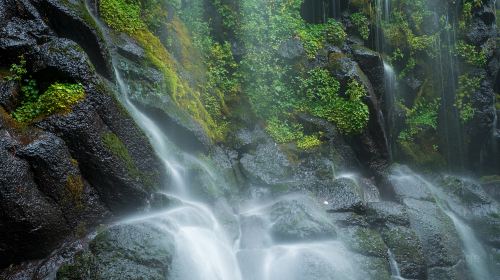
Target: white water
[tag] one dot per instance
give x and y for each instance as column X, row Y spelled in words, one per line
column 395, row 273
column 390, row 96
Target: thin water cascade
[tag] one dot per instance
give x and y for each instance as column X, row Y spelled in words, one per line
column 395, row 273
column 475, row 255
column 390, row 98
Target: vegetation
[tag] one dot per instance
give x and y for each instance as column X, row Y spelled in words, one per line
column 348, row 113
column 470, row 54
column 468, row 85
column 423, row 116
column 118, row 149
column 362, row 24
column 58, row 98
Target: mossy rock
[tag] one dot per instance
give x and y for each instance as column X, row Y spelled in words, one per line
column 364, row 241
column 407, row 250
column 128, row 251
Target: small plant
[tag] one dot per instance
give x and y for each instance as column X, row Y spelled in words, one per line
column 283, row 131
column 467, row 86
column 18, row 71
column 470, row 54
column 335, row 32
column 122, row 15
column 308, row 142
column 422, row 116
column 362, row 24
column 350, row 114
column 58, row 98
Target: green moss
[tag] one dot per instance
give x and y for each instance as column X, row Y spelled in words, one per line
column 367, row 242
column 113, row 143
column 284, row 131
column 308, row 142
column 75, row 188
column 467, row 86
column 58, row 98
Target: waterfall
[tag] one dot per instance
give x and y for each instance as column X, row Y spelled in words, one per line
column 205, row 247
column 390, row 98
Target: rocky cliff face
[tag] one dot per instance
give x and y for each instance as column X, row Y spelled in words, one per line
column 61, row 175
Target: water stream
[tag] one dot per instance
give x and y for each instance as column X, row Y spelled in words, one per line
column 475, row 255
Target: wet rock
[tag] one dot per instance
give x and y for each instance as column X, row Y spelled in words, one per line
column 267, row 165
column 373, row 267
column 457, row 272
column 291, row 49
column 345, row 195
column 70, row 19
column 62, row 59
column 372, row 65
column 468, row 200
column 9, row 95
column 436, row 231
column 162, row 201
column 407, row 185
column 364, row 241
column 59, row 178
column 130, row 49
column 407, row 250
column 31, row 224
column 347, row 219
column 381, row 213
column 300, row 218
column 482, row 26
column 128, row 251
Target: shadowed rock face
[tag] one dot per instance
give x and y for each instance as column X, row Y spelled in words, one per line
column 58, row 175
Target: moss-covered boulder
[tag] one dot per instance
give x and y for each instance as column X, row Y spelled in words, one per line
column 364, row 241
column 129, row 251
column 407, row 250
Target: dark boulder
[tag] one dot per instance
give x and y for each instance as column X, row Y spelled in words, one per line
column 407, row 251
column 59, row 178
column 128, row 251
column 30, row 222
column 345, row 195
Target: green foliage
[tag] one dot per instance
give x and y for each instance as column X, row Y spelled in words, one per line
column 470, row 54
column 350, row 114
column 122, row 15
column 335, row 32
column 58, row 98
column 308, row 142
column 283, row 131
column 18, row 71
column 467, row 86
column 362, row 24
column 421, row 117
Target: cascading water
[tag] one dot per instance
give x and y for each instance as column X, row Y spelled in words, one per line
column 395, row 273
column 475, row 255
column 390, row 96
column 205, row 248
